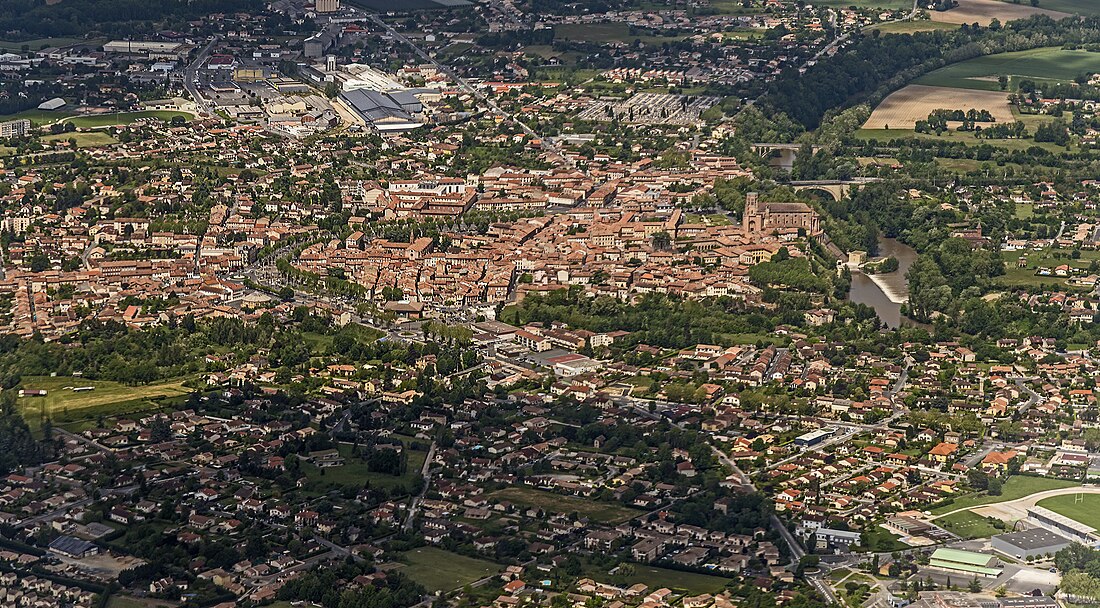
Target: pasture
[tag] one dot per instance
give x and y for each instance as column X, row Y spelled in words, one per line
column 903, row 108
column 983, row 12
column 980, row 73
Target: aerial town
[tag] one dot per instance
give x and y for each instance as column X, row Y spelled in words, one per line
column 541, row 303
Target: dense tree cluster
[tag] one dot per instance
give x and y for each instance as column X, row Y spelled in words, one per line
column 34, row 18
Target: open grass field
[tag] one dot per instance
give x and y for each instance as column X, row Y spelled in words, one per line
column 60, row 396
column 984, row 12
column 37, row 117
column 38, row 44
column 355, row 473
column 1017, row 486
column 903, row 108
column 1047, row 258
column 1077, row 7
column 440, row 570
column 968, row 525
column 83, row 140
column 956, row 136
column 125, row 601
column 912, row 27
column 557, row 503
column 688, row 582
column 980, row 73
column 1087, row 511
column 124, row 118
column 605, row 32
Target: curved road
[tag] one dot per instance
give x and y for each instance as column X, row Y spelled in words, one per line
column 1022, row 504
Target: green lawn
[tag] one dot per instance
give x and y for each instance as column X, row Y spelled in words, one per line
column 968, row 525
column 600, row 511
column 440, row 570
column 1018, row 486
column 125, row 118
column 93, row 139
column 879, row 539
column 1048, row 63
column 62, row 404
column 38, row 117
column 957, row 137
column 1048, row 258
column 38, row 44
column 124, row 601
column 655, row 578
column 355, row 473
column 912, row 27
column 1087, row 511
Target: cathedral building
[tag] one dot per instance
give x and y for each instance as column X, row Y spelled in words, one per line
column 764, row 218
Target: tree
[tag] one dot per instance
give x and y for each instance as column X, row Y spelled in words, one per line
column 1002, row 81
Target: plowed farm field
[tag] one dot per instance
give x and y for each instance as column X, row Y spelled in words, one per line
column 903, row 108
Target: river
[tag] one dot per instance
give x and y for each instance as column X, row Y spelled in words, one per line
column 885, row 292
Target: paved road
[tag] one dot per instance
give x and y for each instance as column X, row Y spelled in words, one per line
column 190, row 74
column 425, row 473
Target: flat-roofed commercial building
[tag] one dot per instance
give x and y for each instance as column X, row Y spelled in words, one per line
column 1029, row 544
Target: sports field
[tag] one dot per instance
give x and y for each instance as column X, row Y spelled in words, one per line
column 124, row 118
column 983, row 12
column 1047, row 63
column 902, row 109
column 1084, row 508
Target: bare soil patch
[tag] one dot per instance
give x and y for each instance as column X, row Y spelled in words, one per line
column 903, row 108
column 985, row 11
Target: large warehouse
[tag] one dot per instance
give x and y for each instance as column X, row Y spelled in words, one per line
column 390, row 111
column 965, row 561
column 1030, row 544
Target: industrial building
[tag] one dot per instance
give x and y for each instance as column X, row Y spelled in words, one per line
column 73, row 547
column 1030, row 544
column 392, row 111
column 812, row 438
column 957, row 560
column 147, row 48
